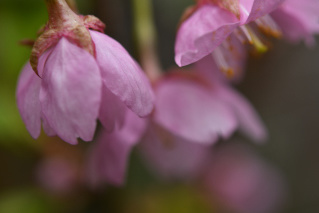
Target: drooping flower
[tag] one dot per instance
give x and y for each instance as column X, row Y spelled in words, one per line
column 201, row 110
column 239, row 181
column 190, row 115
column 298, row 19
column 83, row 76
column 206, row 27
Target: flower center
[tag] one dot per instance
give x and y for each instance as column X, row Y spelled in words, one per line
column 227, row 56
column 222, row 61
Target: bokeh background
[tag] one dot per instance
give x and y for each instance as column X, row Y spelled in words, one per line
column 282, row 85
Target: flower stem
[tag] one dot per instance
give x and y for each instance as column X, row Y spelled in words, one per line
column 59, row 12
column 145, row 34
column 72, row 5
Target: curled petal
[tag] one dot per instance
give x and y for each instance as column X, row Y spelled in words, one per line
column 189, row 110
column 28, row 100
column 70, row 93
column 200, row 34
column 122, row 75
column 248, row 119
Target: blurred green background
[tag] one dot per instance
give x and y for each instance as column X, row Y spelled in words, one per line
column 282, row 85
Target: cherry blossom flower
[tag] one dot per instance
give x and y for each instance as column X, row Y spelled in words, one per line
column 202, row 111
column 190, row 115
column 220, row 28
column 83, row 76
column 210, row 22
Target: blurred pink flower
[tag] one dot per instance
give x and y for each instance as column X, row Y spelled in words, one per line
column 191, row 114
column 58, row 175
column 241, row 182
column 192, row 109
column 75, row 89
column 210, row 22
column 298, row 19
column 202, row 111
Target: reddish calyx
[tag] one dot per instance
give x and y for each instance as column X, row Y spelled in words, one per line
column 63, row 22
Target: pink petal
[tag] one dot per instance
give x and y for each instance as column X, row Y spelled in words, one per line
column 208, row 70
column 189, row 110
column 47, row 128
column 257, row 8
column 108, row 159
column 249, row 121
column 122, row 75
column 112, row 110
column 71, row 92
column 200, row 34
column 172, row 157
column 42, row 60
column 28, row 100
column 298, row 19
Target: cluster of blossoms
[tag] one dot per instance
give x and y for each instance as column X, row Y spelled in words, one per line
column 77, row 76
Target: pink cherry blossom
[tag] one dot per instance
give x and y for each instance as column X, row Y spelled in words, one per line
column 202, row 111
column 210, row 24
column 241, row 182
column 190, row 115
column 76, row 89
column 249, row 121
column 192, row 110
